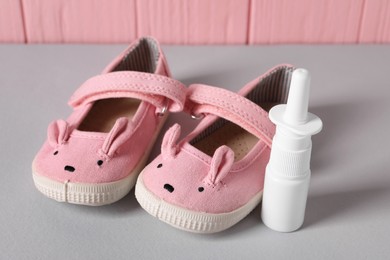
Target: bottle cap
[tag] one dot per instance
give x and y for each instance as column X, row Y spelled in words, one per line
column 295, row 116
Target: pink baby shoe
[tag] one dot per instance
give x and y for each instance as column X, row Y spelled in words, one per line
column 214, row 177
column 95, row 156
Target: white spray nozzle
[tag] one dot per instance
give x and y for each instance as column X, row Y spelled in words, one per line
column 298, row 98
column 295, row 116
column 287, row 176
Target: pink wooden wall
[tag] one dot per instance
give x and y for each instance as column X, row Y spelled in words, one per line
column 195, row 21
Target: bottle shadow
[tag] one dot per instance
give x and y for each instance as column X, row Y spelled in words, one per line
column 342, row 122
column 342, row 205
column 339, row 206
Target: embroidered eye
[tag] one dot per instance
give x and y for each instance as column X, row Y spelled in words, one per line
column 159, row 166
column 200, row 189
column 100, row 162
column 55, row 153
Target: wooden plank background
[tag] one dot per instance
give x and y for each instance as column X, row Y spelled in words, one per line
column 11, row 22
column 195, row 21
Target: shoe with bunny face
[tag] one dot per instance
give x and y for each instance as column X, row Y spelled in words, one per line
column 214, row 177
column 95, row 155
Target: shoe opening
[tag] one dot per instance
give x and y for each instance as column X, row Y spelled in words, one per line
column 273, row 88
column 143, row 57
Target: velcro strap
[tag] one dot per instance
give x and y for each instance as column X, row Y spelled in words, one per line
column 152, row 88
column 203, row 99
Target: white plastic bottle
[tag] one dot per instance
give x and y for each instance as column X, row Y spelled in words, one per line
column 287, row 174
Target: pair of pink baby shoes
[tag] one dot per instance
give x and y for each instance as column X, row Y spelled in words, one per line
column 204, row 182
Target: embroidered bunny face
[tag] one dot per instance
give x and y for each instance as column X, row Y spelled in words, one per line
column 183, row 178
column 89, row 157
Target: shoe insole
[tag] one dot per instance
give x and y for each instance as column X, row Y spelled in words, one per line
column 231, row 135
column 104, row 113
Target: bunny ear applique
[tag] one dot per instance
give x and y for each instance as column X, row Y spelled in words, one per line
column 119, row 134
column 221, row 163
column 169, row 143
column 58, row 132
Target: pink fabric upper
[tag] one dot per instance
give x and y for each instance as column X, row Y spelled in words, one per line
column 212, row 184
column 224, row 188
column 203, row 99
column 98, row 157
column 154, row 89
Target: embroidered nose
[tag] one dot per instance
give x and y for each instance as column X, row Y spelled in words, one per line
column 169, row 187
column 69, row 168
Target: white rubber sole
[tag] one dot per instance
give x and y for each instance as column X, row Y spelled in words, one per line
column 96, row 194
column 197, row 222
column 83, row 193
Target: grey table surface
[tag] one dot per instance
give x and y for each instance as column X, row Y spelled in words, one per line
column 348, row 210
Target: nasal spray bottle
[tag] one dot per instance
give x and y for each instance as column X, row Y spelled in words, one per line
column 287, row 174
